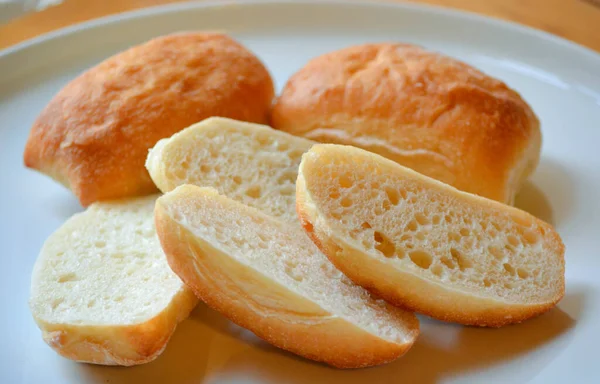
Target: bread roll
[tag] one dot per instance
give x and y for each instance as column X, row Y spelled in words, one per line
column 101, row 289
column 424, row 245
column 94, row 135
column 426, row 111
column 259, row 272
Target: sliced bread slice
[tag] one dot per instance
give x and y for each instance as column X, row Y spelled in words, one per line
column 424, row 245
column 259, row 272
column 250, row 163
column 102, row 291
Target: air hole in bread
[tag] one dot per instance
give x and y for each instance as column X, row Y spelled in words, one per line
column 264, row 140
column 449, row 263
column 412, row 226
column 385, row 205
column 295, row 154
column 283, row 146
column 335, row 194
column 91, row 303
column 420, row 236
column 345, row 181
column 437, row 270
column 464, row 232
column 117, row 255
column 509, row 248
column 346, row 202
column 455, row 237
column 509, row 268
column 509, row 285
column 67, row 277
column 392, row 195
column 287, row 178
column 496, row 226
column 238, row 241
column 421, row 259
column 513, row 240
column 237, row 180
column 421, row 219
column 365, row 225
column 56, row 302
column 531, row 237
column 254, row 192
column 435, row 220
column 60, row 254
column 204, row 168
column 288, row 190
column 448, row 219
column 496, row 252
column 523, row 273
column 336, row 215
column 404, row 238
column 523, row 221
column 119, row 298
column 487, row 282
column 100, row 244
column 383, row 244
column 462, row 262
column 413, row 199
column 409, row 246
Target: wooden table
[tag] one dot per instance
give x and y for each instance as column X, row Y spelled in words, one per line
column 576, row 20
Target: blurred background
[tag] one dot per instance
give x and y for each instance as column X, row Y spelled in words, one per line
column 576, row 20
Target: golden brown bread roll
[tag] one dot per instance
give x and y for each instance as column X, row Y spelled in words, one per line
column 94, row 135
column 434, row 114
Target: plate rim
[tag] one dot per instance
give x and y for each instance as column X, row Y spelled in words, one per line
column 382, row 4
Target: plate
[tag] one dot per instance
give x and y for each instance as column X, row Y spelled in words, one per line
column 559, row 79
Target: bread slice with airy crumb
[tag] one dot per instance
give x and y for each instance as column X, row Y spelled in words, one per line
column 102, row 291
column 263, row 274
column 250, row 163
column 424, row 245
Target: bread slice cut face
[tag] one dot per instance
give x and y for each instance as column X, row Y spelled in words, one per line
column 262, row 273
column 102, row 291
column 424, row 245
column 250, row 163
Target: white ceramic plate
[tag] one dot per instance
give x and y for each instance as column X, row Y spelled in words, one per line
column 559, row 79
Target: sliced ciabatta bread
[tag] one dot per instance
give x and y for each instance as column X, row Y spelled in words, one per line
column 102, row 291
column 424, row 245
column 259, row 272
column 251, row 163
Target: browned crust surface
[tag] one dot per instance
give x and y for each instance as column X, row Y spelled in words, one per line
column 434, row 114
column 94, row 135
column 125, row 345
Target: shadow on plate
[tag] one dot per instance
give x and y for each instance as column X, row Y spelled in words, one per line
column 208, row 346
column 442, row 351
column 548, row 194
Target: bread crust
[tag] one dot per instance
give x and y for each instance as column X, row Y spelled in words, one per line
column 412, row 292
column 429, row 112
column 268, row 309
column 94, row 135
column 125, row 345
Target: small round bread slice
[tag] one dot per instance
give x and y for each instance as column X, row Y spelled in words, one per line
column 424, row 245
column 263, row 275
column 101, row 289
column 250, row 163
